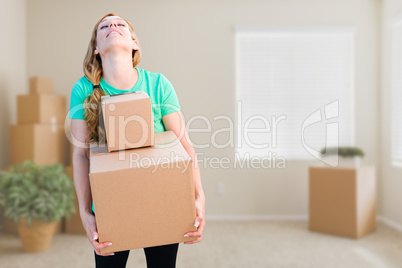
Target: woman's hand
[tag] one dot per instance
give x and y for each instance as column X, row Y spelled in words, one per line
column 89, row 224
column 199, row 222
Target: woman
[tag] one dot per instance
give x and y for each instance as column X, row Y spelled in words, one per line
column 109, row 68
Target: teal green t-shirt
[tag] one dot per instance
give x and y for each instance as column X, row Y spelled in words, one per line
column 161, row 92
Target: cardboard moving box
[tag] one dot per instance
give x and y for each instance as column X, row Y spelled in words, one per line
column 143, row 197
column 342, row 201
column 43, row 144
column 40, row 85
column 128, row 120
column 41, row 109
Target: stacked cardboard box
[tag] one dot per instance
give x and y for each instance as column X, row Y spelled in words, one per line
column 141, row 182
column 128, row 121
column 39, row 133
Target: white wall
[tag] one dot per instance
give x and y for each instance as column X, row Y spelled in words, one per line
column 13, row 79
column 391, row 175
column 192, row 43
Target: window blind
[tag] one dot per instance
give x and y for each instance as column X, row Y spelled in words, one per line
column 293, row 73
column 396, row 110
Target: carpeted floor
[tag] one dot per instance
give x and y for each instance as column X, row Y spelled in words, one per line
column 233, row 244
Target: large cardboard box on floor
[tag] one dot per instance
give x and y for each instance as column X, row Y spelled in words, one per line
column 40, row 85
column 143, row 197
column 128, row 121
column 74, row 224
column 43, row 144
column 41, row 109
column 342, row 201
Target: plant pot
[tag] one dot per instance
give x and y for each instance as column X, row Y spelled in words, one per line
column 342, row 161
column 37, row 237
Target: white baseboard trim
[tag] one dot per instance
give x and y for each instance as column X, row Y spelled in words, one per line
column 256, row 217
column 390, row 223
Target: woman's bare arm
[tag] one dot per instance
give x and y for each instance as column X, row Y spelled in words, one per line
column 79, row 132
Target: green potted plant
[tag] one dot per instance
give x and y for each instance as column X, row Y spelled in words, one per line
column 342, row 156
column 36, row 198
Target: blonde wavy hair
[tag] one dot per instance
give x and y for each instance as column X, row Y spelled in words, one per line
column 93, row 72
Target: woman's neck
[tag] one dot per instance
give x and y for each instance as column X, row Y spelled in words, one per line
column 118, row 71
